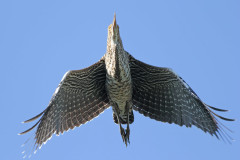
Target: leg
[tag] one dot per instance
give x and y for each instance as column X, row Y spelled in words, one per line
column 128, row 128
column 122, row 131
column 127, row 133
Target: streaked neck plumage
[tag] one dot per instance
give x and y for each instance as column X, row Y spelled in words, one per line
column 116, row 59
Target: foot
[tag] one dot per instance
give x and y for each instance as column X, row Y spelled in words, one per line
column 122, row 132
column 127, row 134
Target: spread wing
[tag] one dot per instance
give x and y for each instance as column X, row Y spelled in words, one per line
column 162, row 95
column 80, row 97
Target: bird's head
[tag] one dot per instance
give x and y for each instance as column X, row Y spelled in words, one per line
column 114, row 38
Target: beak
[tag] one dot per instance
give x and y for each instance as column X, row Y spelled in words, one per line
column 114, row 22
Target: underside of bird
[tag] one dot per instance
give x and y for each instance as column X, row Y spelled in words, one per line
column 125, row 83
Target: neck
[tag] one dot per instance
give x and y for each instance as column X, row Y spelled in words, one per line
column 116, row 60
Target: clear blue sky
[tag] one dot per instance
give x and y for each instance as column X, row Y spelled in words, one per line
column 41, row 40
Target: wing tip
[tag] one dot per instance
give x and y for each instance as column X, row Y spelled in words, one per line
column 34, row 118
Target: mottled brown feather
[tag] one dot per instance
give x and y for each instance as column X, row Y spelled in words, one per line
column 80, row 97
column 162, row 95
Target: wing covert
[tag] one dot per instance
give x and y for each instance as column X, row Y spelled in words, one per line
column 162, row 95
column 80, row 97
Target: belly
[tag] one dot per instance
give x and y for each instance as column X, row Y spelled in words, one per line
column 119, row 92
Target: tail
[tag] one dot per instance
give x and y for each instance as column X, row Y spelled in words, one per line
column 123, row 119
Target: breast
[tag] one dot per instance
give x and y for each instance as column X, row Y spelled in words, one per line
column 118, row 78
column 119, row 91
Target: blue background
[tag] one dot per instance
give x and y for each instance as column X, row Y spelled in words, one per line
column 41, row 40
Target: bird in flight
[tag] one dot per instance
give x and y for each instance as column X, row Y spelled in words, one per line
column 125, row 83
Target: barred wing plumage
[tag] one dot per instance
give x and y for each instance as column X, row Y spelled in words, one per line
column 162, row 95
column 80, row 97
